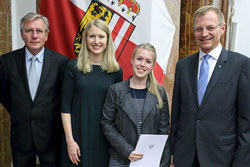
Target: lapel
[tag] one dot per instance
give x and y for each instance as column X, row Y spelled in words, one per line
column 149, row 104
column 193, row 75
column 128, row 105
column 21, row 65
column 47, row 62
column 218, row 69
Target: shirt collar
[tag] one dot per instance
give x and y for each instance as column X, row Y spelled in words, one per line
column 215, row 53
column 39, row 55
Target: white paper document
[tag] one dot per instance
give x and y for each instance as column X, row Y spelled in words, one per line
column 151, row 146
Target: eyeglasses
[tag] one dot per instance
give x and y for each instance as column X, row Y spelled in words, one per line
column 32, row 31
column 208, row 28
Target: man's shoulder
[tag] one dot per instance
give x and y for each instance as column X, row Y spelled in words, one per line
column 188, row 59
column 237, row 56
column 12, row 54
column 55, row 54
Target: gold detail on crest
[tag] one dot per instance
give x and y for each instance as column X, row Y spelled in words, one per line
column 94, row 11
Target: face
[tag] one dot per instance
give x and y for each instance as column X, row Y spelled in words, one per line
column 208, row 31
column 34, row 35
column 142, row 63
column 96, row 41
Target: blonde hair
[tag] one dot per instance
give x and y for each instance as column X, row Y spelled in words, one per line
column 153, row 84
column 109, row 62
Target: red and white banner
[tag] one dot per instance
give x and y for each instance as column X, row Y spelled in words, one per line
column 131, row 23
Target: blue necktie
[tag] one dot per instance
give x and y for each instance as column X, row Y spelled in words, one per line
column 203, row 78
column 33, row 81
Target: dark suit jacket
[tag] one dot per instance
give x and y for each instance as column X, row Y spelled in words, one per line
column 32, row 122
column 119, row 121
column 219, row 129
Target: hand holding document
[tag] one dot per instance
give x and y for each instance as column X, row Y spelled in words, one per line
column 151, row 146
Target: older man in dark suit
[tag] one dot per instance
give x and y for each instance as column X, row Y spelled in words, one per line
column 211, row 100
column 30, row 80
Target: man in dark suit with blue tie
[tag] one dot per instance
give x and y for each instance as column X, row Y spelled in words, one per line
column 210, row 120
column 30, row 80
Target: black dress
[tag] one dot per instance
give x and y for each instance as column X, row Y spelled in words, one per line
column 83, row 96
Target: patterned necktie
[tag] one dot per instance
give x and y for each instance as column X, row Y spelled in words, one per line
column 33, row 81
column 203, row 78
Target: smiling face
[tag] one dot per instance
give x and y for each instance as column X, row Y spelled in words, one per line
column 96, row 41
column 34, row 35
column 205, row 39
column 142, row 63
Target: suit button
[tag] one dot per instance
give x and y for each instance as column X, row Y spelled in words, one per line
column 32, row 121
column 198, row 120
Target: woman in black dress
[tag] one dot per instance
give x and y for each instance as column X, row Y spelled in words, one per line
column 86, row 80
column 134, row 107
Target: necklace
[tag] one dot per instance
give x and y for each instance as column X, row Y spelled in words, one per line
column 139, row 113
column 136, row 99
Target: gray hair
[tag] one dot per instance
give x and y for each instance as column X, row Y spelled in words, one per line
column 33, row 16
column 204, row 9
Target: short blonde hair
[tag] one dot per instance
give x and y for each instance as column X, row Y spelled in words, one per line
column 109, row 62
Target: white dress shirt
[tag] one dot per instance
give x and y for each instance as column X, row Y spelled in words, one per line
column 38, row 62
column 214, row 56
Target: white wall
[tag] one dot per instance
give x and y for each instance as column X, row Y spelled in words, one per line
column 242, row 34
column 241, row 17
column 19, row 8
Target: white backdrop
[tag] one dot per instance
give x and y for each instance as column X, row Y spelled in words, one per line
column 242, row 38
column 241, row 17
column 19, row 8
